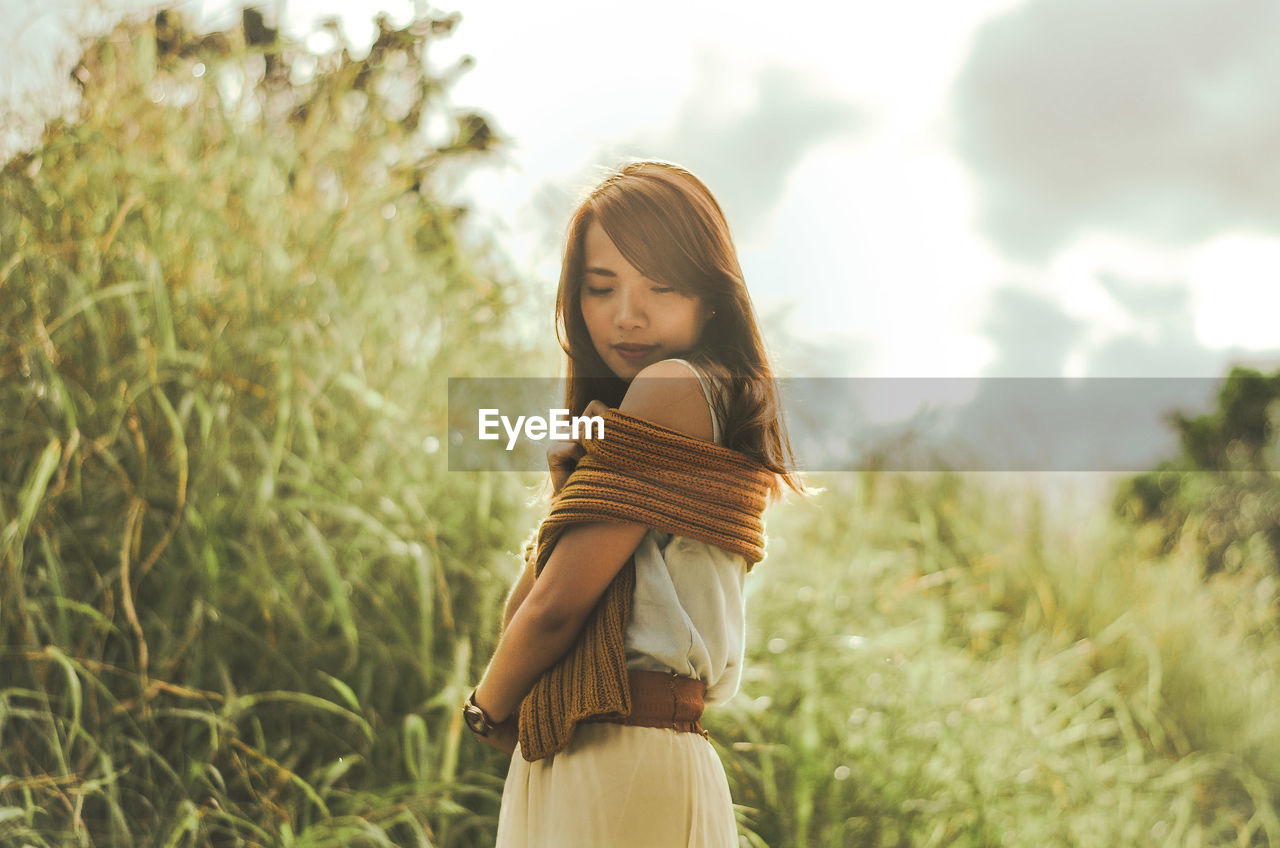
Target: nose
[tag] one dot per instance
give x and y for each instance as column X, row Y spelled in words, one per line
column 631, row 311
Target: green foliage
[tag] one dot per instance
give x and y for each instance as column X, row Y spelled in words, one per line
column 241, row 596
column 1220, row 497
column 938, row 661
column 240, row 593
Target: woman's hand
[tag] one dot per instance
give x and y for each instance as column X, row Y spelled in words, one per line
column 502, row 736
column 563, row 455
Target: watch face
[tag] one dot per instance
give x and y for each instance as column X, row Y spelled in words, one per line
column 475, row 719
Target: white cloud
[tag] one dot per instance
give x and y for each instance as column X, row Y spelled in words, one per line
column 1235, row 282
column 872, row 233
column 1154, row 118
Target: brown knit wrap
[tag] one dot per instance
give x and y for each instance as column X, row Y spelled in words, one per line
column 651, row 475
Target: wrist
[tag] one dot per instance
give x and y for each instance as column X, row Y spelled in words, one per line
column 484, row 701
column 477, row 718
column 480, row 719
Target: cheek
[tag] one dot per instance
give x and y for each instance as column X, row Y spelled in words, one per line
column 590, row 317
column 695, row 322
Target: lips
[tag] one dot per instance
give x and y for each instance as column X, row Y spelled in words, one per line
column 633, row 352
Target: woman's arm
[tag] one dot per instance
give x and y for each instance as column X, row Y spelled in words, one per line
column 544, row 627
column 519, row 591
column 562, row 458
column 546, row 621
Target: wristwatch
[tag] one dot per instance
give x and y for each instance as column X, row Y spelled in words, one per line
column 476, row 718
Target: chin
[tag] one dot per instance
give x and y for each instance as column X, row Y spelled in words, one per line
column 627, row 371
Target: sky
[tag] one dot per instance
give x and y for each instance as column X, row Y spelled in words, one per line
column 1082, row 188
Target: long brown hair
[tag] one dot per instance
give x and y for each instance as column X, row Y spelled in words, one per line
column 666, row 223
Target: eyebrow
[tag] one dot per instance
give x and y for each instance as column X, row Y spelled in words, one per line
column 600, row 272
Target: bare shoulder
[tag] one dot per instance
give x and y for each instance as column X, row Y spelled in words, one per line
column 669, row 394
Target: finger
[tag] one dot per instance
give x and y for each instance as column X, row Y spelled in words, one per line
column 565, row 446
column 565, row 453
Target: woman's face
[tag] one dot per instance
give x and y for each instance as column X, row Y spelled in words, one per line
column 633, row 321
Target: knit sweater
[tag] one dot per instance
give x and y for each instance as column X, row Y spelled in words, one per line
column 651, row 475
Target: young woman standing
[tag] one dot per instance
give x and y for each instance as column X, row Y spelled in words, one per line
column 629, row 615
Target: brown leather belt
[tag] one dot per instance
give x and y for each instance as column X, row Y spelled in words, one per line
column 665, row 700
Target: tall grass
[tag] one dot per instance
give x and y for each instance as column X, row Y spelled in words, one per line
column 938, row 661
column 241, row 594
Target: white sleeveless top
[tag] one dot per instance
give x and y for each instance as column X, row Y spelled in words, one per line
column 688, row 614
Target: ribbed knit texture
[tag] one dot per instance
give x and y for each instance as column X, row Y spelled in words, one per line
column 661, row 478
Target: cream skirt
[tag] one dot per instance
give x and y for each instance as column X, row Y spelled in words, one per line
column 618, row 786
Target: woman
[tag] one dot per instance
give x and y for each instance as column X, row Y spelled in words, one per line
column 629, row 615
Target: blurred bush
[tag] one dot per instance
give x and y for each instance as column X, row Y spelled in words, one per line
column 240, row 594
column 1220, row 497
column 955, row 660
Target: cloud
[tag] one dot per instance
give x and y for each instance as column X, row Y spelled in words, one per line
column 1023, row 413
column 745, row 131
column 40, row 45
column 1155, row 118
column 1032, row 335
column 1169, row 347
column 1114, row 419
